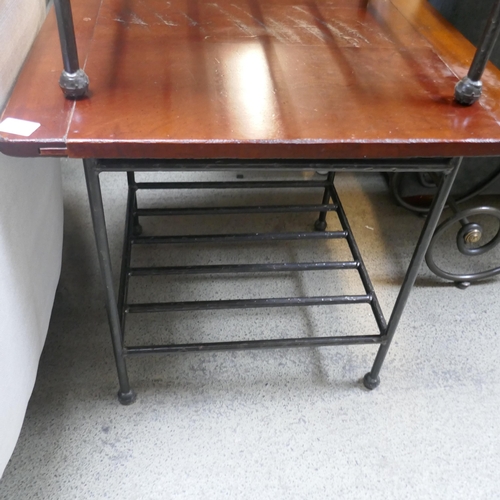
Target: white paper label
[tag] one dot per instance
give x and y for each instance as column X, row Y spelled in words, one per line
column 18, row 127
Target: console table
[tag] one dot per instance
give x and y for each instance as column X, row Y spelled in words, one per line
column 274, row 85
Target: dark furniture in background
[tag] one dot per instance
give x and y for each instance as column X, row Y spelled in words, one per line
column 469, row 17
column 477, row 175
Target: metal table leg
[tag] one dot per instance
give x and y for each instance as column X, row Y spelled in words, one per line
column 73, row 81
column 468, row 90
column 125, row 395
column 372, row 379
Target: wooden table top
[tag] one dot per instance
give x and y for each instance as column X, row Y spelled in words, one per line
column 256, row 79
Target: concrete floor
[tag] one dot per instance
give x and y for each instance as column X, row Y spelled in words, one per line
column 267, row 424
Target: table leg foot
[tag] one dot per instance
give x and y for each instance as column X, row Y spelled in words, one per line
column 462, row 285
column 127, row 398
column 467, row 91
column 369, row 382
column 74, row 85
column 320, row 225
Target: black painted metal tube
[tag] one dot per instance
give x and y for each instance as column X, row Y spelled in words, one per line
column 486, row 44
column 243, row 268
column 254, row 344
column 418, row 256
column 237, row 238
column 126, row 253
column 363, row 273
column 267, row 209
column 378, row 165
column 230, row 185
column 201, row 305
column 321, row 222
column 126, row 395
column 67, row 35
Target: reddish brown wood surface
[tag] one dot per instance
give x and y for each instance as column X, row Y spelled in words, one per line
column 257, row 79
column 37, row 96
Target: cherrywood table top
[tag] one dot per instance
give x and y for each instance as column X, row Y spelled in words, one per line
column 256, row 79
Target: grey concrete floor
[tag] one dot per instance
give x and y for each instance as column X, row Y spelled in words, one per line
column 266, row 424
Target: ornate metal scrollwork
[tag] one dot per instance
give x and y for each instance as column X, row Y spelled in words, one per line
column 470, row 238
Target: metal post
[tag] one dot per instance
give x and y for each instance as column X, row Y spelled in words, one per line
column 372, row 379
column 125, row 395
column 468, row 90
column 127, row 251
column 320, row 224
column 73, row 81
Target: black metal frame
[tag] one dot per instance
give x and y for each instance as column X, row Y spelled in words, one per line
column 119, row 308
column 470, row 236
column 470, row 233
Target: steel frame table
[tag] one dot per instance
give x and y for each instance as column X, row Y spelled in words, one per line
column 321, row 93
column 118, row 308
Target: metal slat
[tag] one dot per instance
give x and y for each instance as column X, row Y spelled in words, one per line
column 201, row 305
column 279, row 165
column 231, row 185
column 265, row 209
column 237, row 238
column 242, row 268
column 238, row 345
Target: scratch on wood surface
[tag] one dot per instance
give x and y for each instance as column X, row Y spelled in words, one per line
column 165, row 21
column 134, row 19
column 338, row 29
column 378, row 33
column 282, row 32
column 273, row 28
column 191, row 21
column 313, row 30
column 353, row 32
column 253, row 18
column 237, row 22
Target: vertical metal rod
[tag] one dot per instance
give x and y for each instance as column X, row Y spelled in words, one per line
column 127, row 251
column 137, row 228
column 372, row 379
column 73, row 82
column 486, row 44
column 451, row 201
column 468, row 90
column 67, row 35
column 320, row 224
column 125, row 395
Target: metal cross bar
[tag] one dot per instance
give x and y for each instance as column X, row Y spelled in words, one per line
column 267, row 209
column 237, row 238
column 243, row 268
column 200, row 305
column 377, row 165
column 240, row 345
